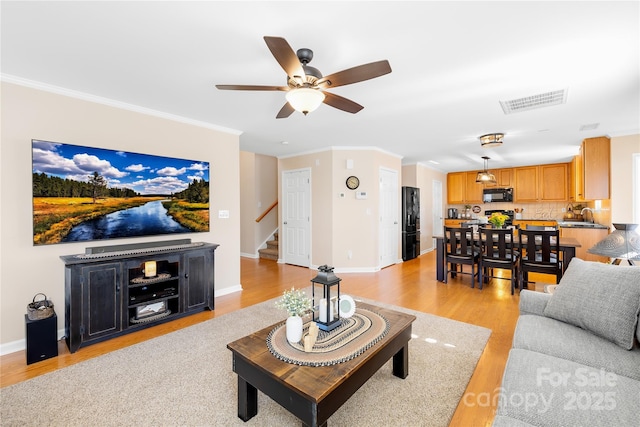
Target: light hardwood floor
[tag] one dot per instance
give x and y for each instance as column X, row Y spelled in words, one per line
column 411, row 284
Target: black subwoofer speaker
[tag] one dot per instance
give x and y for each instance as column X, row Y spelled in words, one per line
column 42, row 340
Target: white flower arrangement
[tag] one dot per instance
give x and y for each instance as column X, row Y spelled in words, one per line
column 295, row 302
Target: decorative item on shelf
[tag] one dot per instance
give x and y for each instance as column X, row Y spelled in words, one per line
column 150, row 269
column 622, row 244
column 491, row 140
column 327, row 318
column 497, row 219
column 485, row 176
column 296, row 303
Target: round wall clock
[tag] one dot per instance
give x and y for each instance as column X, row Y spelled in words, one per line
column 353, row 182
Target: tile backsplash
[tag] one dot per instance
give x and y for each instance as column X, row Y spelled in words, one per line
column 548, row 210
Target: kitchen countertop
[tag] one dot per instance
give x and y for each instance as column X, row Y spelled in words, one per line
column 561, row 223
column 580, row 224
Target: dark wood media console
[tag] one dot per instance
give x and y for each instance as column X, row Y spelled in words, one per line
column 118, row 290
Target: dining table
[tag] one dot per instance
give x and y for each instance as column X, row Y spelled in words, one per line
column 568, row 247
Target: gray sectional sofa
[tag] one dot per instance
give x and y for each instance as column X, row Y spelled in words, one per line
column 575, row 359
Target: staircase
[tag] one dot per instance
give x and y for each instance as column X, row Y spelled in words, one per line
column 271, row 251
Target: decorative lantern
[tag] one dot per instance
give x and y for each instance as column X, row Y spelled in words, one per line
column 325, row 298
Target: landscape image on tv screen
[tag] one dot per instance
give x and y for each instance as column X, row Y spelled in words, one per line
column 86, row 194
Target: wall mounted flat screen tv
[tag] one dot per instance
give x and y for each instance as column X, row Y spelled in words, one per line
column 86, row 194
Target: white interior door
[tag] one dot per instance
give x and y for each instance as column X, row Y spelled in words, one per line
column 436, row 214
column 389, row 215
column 296, row 220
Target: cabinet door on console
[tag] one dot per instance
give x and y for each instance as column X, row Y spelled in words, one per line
column 198, row 280
column 101, row 300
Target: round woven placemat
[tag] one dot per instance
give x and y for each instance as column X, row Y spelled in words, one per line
column 350, row 339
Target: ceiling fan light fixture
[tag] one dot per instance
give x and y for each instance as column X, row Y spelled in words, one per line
column 485, row 176
column 305, row 99
column 491, row 140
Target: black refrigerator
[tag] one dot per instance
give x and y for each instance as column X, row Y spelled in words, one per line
column 410, row 223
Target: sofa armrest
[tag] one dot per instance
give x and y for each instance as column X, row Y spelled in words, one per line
column 532, row 302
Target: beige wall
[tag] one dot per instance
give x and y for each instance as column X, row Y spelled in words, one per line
column 28, row 114
column 320, row 167
column 344, row 230
column 258, row 190
column 622, row 150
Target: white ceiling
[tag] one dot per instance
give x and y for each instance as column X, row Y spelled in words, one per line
column 452, row 63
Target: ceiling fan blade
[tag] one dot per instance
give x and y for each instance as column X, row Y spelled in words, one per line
column 285, row 111
column 355, row 74
column 251, row 87
column 285, row 56
column 341, row 103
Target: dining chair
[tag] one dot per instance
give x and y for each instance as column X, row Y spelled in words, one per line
column 497, row 252
column 539, row 253
column 460, row 249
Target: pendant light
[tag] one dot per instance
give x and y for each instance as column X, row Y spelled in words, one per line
column 486, row 177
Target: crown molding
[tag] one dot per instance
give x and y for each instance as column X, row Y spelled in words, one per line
column 8, row 78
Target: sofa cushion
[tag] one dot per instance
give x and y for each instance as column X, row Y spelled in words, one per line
column 601, row 298
column 544, row 390
column 559, row 339
column 532, row 302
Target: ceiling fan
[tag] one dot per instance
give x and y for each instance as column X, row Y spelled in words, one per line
column 306, row 86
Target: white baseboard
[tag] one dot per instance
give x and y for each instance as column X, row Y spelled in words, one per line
column 19, row 345
column 246, row 255
column 228, row 290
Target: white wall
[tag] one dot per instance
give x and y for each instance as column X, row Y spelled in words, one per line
column 28, row 114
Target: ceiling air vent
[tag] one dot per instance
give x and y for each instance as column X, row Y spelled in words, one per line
column 590, row 126
column 546, row 99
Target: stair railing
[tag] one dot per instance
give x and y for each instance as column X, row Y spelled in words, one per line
column 273, row 205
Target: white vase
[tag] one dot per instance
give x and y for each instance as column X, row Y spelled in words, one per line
column 294, row 329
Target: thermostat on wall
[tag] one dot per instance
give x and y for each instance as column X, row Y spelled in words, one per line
column 361, row 194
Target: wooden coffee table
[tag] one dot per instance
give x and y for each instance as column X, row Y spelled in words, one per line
column 310, row 393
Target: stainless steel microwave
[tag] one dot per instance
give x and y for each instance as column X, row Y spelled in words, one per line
column 497, row 195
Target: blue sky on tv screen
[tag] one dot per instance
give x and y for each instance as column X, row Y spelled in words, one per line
column 145, row 174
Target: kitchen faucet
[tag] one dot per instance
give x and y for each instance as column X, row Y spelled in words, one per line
column 588, row 210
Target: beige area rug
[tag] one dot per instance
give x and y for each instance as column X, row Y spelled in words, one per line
column 185, row 378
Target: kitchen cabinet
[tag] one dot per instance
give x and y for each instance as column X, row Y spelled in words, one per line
column 542, row 183
column 595, row 154
column 473, row 189
column 590, row 170
column 554, row 182
column 587, row 237
column 526, row 184
column 576, row 181
column 462, row 188
column 503, row 178
column 456, row 182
